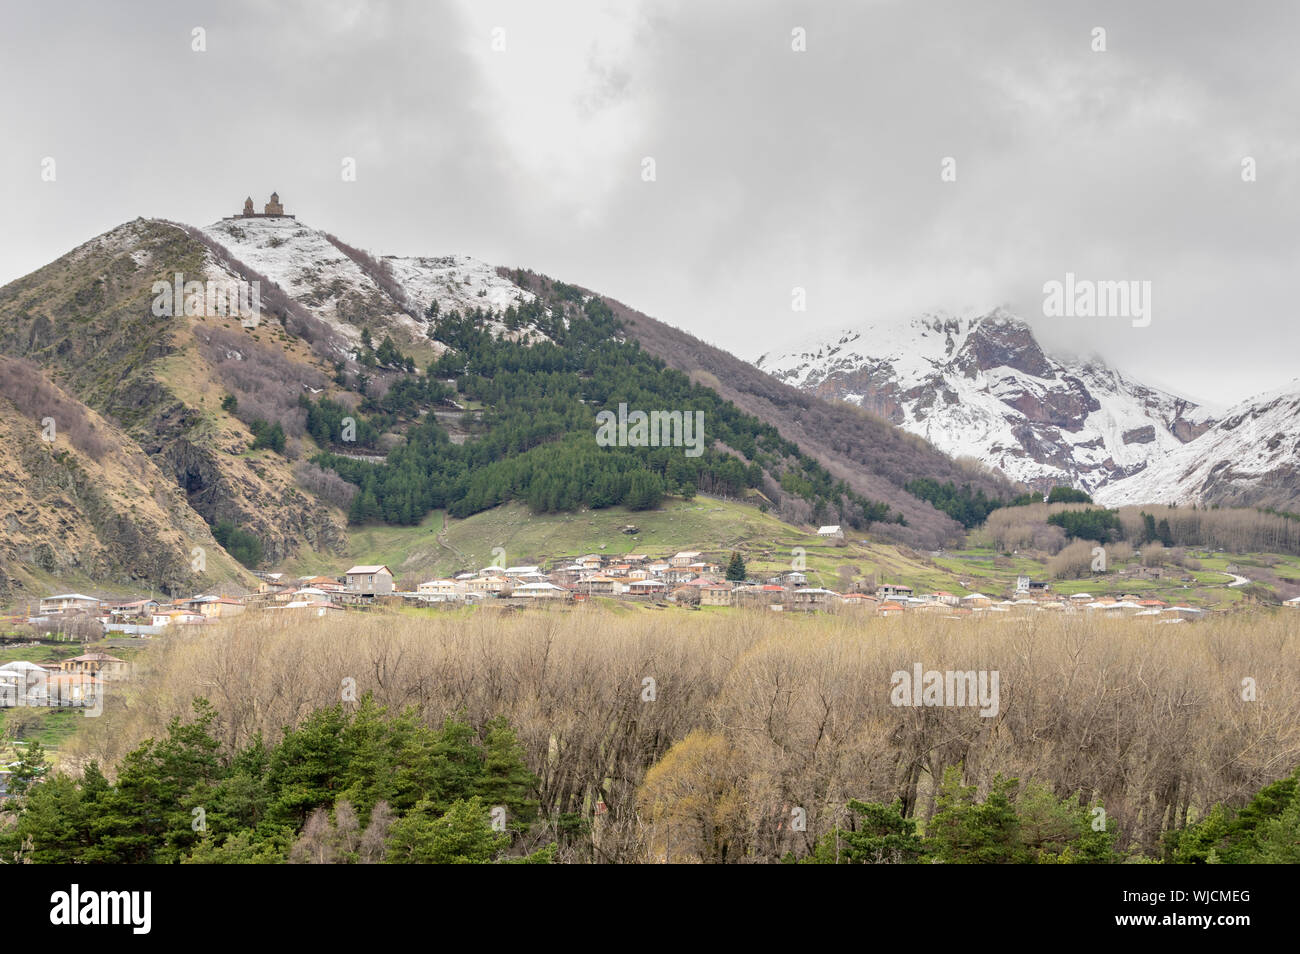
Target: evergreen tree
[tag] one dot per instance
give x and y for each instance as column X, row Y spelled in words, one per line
column 967, row 831
column 736, row 570
column 30, row 769
column 462, row 835
column 535, row 437
column 880, row 835
column 1277, row 839
column 320, row 795
column 1067, row 495
column 506, row 780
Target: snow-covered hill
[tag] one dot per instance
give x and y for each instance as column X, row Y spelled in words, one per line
column 348, row 289
column 980, row 386
column 1250, row 457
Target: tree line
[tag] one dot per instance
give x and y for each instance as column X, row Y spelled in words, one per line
column 1011, row 824
column 348, row 785
column 1049, row 527
column 971, row 508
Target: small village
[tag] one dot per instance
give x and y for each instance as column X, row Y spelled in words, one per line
column 688, row 578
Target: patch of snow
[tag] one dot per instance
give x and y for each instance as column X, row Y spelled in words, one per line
column 309, row 268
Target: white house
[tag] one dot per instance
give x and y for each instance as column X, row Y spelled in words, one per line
column 23, row 683
column 646, row 588
column 541, row 591
column 180, row 617
column 833, row 532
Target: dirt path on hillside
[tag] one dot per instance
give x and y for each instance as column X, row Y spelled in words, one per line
column 442, row 542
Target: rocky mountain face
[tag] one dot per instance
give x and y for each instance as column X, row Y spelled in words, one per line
column 982, row 387
column 1250, row 457
column 157, row 370
column 82, row 502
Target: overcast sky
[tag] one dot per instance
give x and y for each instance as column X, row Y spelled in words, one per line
column 774, row 168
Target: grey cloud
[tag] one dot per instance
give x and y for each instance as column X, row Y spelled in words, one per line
column 775, row 168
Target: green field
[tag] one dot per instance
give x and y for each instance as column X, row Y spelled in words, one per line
column 50, row 727
column 37, row 654
column 715, row 527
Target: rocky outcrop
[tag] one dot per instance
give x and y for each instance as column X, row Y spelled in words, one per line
column 109, row 516
column 1001, row 342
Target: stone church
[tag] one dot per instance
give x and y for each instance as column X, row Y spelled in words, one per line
column 273, row 210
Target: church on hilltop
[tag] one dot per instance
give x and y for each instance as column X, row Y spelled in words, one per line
column 273, row 210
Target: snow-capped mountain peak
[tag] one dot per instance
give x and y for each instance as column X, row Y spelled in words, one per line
column 980, row 385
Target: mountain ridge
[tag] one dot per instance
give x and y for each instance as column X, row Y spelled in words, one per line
column 87, row 320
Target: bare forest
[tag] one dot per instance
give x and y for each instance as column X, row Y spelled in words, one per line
column 696, row 733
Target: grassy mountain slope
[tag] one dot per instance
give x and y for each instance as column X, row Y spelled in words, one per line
column 442, row 545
